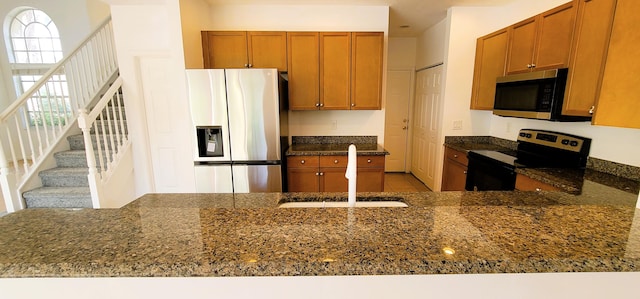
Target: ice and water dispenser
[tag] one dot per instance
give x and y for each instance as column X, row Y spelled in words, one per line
column 209, row 141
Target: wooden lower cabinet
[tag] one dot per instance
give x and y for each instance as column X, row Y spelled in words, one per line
column 454, row 174
column 525, row 183
column 326, row 174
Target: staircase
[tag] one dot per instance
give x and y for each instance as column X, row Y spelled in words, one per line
column 67, row 185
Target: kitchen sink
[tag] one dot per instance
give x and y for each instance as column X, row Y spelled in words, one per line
column 332, row 202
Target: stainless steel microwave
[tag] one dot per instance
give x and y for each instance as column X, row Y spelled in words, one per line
column 537, row 95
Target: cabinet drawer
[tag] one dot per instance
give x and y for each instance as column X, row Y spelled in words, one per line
column 457, row 156
column 334, row 161
column 303, row 161
column 370, row 161
column 525, row 183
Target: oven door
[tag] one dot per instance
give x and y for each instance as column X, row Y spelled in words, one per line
column 485, row 174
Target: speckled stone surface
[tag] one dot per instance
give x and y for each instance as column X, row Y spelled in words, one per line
column 334, row 146
column 187, row 235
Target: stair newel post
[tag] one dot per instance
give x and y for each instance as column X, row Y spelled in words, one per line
column 93, row 176
column 8, row 180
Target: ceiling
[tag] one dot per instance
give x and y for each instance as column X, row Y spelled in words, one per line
column 417, row 14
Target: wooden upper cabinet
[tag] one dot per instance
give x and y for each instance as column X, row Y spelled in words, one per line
column 267, row 49
column 366, row 70
column 240, row 49
column 542, row 42
column 224, row 49
column 335, row 70
column 618, row 104
column 303, row 70
column 491, row 53
column 586, row 62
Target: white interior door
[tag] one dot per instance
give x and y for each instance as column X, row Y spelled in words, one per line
column 426, row 125
column 397, row 119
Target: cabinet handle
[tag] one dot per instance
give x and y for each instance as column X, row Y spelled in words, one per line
column 317, row 104
column 353, row 105
column 322, row 173
column 593, row 108
column 335, row 161
column 528, row 66
column 533, row 65
column 250, row 65
column 317, row 173
column 465, row 172
column 302, row 162
column 538, row 189
column 368, row 160
column 404, row 128
column 321, row 105
column 246, row 65
column 455, row 155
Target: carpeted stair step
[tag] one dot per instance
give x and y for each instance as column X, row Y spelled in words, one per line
column 76, row 142
column 58, row 197
column 65, row 177
column 75, row 158
column 104, row 125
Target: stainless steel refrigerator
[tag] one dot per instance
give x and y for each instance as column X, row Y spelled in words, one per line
column 240, row 130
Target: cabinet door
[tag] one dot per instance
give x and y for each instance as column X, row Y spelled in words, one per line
column 303, row 179
column 521, row 46
column 618, row 104
column 333, row 180
column 454, row 176
column 586, row 62
column 267, row 49
column 366, row 70
column 224, row 49
column 370, row 180
column 491, row 55
column 303, row 70
column 555, row 30
column 335, row 70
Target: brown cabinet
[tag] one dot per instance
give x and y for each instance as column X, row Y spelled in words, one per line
column 304, row 70
column 335, row 70
column 366, row 68
column 618, row 103
column 326, row 174
column 454, row 174
column 491, row 53
column 542, row 42
column 525, row 183
column 586, row 62
column 240, row 49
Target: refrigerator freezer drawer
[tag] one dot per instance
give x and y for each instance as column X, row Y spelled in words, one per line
column 257, row 178
column 213, row 179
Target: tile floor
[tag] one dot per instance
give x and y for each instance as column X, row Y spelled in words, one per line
column 402, row 182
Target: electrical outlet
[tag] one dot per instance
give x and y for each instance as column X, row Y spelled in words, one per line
column 457, row 125
column 334, row 125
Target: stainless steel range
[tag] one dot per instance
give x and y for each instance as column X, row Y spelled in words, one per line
column 494, row 170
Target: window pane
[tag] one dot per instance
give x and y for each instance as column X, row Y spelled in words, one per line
column 48, row 57
column 32, row 44
column 17, row 29
column 35, row 57
column 37, row 30
column 26, row 16
column 53, row 30
column 18, row 44
column 41, row 17
column 46, row 44
column 21, row 57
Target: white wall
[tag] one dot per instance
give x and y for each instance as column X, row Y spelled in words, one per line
column 402, row 53
column 194, row 16
column 149, row 43
column 75, row 19
column 430, row 45
column 314, row 18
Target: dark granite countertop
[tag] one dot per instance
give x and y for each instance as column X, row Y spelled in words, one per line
column 367, row 149
column 187, row 235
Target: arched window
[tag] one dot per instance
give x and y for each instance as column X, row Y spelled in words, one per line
column 34, row 47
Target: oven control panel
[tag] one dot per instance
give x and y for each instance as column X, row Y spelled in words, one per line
column 554, row 139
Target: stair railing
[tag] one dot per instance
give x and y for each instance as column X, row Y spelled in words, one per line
column 105, row 136
column 37, row 121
